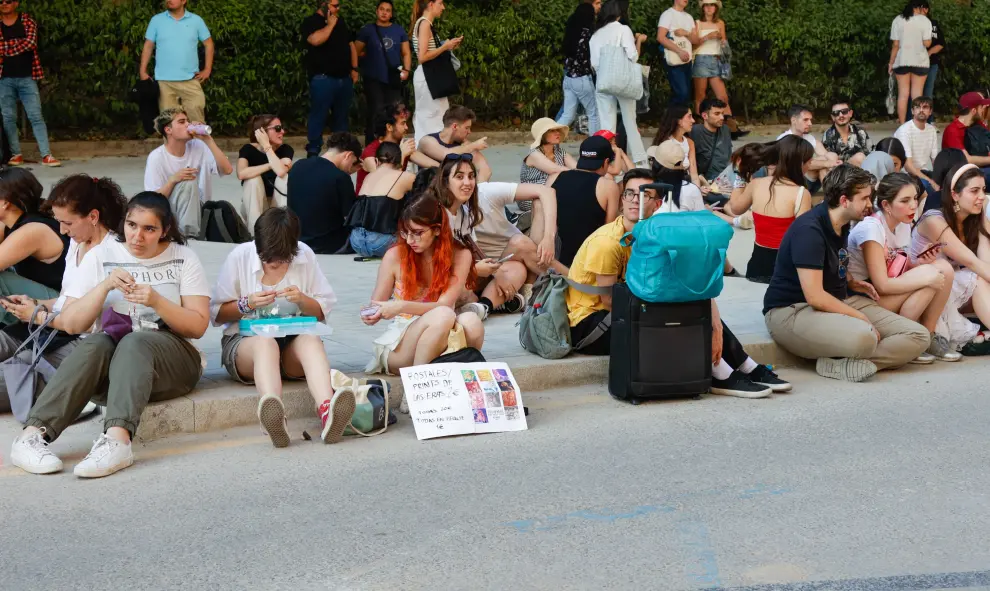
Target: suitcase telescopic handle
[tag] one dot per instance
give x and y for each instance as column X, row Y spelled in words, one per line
column 663, row 189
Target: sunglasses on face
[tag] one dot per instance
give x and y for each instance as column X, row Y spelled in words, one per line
column 454, row 157
column 275, row 128
column 838, row 112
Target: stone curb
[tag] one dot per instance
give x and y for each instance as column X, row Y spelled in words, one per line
column 222, row 403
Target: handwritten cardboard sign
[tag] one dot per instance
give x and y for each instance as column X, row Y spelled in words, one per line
column 461, row 398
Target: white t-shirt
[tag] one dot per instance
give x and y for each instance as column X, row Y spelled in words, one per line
column 673, row 19
column 874, row 228
column 690, row 198
column 920, row 145
column 614, row 33
column 72, row 267
column 494, row 232
column 911, row 34
column 176, row 272
column 808, row 137
column 161, row 165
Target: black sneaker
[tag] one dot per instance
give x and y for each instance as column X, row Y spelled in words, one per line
column 738, row 384
column 765, row 376
column 512, row 305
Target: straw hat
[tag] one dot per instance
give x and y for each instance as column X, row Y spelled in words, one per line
column 542, row 126
column 669, row 154
column 715, row 2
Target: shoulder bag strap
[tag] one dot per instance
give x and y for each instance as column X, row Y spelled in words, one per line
column 798, row 200
column 598, row 332
column 34, row 333
column 205, row 223
column 382, row 43
column 588, row 289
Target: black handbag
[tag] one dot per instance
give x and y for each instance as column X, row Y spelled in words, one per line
column 441, row 78
column 394, row 74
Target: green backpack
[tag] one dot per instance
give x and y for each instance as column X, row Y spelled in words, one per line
column 544, row 328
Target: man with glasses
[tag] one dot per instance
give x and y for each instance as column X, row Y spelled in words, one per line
column 814, row 311
column 846, row 139
column 331, row 62
column 386, row 62
column 20, row 70
column 174, row 36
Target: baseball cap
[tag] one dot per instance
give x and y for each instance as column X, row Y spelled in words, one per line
column 971, row 100
column 669, row 154
column 594, row 152
column 605, row 134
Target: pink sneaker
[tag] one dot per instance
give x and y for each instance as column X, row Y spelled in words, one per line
column 336, row 413
column 16, row 160
column 50, row 160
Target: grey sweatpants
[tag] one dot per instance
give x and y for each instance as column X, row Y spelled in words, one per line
column 187, row 207
column 808, row 333
column 146, row 366
column 9, row 344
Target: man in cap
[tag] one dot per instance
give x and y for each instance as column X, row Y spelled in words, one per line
column 972, row 113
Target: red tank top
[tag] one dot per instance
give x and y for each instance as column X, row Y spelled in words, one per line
column 770, row 230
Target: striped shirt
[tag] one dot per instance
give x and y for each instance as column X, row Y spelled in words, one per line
column 415, row 37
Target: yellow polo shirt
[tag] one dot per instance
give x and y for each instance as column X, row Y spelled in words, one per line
column 601, row 254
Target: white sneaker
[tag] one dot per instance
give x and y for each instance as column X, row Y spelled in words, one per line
column 30, row 453
column 271, row 413
column 476, row 308
column 849, row 370
column 107, row 456
column 941, row 350
column 924, row 359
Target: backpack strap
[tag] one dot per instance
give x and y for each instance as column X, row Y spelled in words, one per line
column 588, row 289
column 205, row 222
column 221, row 227
column 598, row 332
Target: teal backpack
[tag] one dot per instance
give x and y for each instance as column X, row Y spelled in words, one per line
column 677, row 257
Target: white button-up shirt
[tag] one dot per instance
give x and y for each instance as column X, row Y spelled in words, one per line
column 242, row 272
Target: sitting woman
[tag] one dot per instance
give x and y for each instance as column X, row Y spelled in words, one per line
column 776, row 200
column 263, row 168
column 676, row 125
column 86, row 209
column 144, row 279
column 456, row 188
column 546, row 157
column 916, row 291
column 957, row 232
column 32, row 251
column 418, row 284
column 276, row 271
column 374, row 217
column 890, row 146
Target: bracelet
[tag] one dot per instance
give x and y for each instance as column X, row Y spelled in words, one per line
column 243, row 306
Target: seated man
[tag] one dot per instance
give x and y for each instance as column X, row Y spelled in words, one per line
column 453, row 139
column 182, row 168
column 958, row 135
column 602, row 262
column 823, row 161
column 391, row 125
column 845, row 138
column 807, row 306
column 920, row 140
column 712, row 140
column 592, row 198
column 321, row 194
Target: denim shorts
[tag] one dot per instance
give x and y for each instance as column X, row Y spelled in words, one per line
column 705, row 66
column 371, row 244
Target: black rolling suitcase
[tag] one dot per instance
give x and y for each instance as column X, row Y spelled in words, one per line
column 659, row 351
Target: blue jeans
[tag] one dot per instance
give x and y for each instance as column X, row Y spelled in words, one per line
column 579, row 91
column 370, row 244
column 26, row 91
column 327, row 94
column 930, row 86
column 680, row 83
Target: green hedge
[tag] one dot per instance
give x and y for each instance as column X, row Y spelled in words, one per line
column 784, row 51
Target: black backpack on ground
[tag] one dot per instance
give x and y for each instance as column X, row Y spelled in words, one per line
column 220, row 222
column 465, row 355
column 659, row 351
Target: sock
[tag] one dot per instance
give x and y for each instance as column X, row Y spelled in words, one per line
column 748, row 366
column 487, row 303
column 721, row 370
column 735, row 222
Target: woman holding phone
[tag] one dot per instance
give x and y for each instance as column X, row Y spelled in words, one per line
column 428, row 116
column 917, row 291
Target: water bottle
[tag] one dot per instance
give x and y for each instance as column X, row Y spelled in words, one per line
column 201, row 129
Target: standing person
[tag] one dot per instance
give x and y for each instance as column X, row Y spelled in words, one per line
column 147, row 270
column 20, row 70
column 453, row 139
column 612, row 32
column 677, row 34
column 174, row 36
column 920, row 141
column 374, row 218
column 277, row 266
column 934, row 58
column 386, row 64
column 916, row 291
column 712, row 139
column 710, row 67
column 182, row 168
column 911, row 37
column 579, row 82
column 847, row 140
column 263, row 167
column 801, row 119
column 418, row 284
column 429, row 114
column 321, row 194
column 807, row 307
column 331, row 62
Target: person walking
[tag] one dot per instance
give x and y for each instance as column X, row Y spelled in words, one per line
column 677, row 33
column 331, row 61
column 911, row 36
column 429, row 113
column 579, row 82
column 386, row 64
column 174, row 36
column 20, row 70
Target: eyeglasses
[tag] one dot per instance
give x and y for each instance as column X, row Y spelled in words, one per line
column 275, row 128
column 458, row 158
column 415, row 235
column 838, row 112
column 630, row 195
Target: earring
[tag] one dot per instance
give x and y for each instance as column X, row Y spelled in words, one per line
column 955, row 208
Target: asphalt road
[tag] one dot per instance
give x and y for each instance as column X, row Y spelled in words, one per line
column 875, row 486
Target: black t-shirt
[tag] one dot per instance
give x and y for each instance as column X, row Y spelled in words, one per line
column 810, row 243
column 977, row 140
column 937, row 39
column 16, row 66
column 47, row 274
column 256, row 157
column 333, row 58
column 321, row 195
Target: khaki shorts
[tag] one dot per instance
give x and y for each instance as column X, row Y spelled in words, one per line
column 228, row 355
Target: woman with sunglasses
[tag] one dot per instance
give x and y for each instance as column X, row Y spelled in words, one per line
column 419, row 282
column 456, row 188
column 263, row 168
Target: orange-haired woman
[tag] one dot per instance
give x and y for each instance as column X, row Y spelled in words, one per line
column 424, row 274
